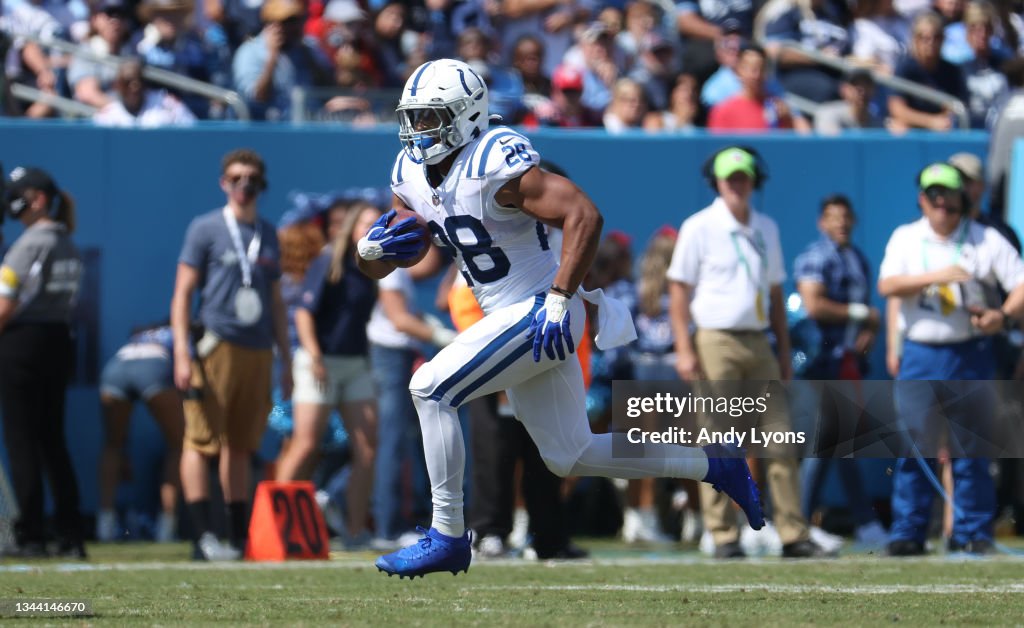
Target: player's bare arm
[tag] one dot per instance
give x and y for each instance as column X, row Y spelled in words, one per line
column 558, row 202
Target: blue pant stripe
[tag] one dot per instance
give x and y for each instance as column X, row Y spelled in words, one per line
column 487, row 352
column 507, row 361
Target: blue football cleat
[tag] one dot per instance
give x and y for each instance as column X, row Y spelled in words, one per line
column 728, row 472
column 434, row 552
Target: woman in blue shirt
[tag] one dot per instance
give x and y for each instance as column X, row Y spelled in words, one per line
column 331, row 368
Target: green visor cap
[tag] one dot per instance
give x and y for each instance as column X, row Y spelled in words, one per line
column 942, row 175
column 733, row 160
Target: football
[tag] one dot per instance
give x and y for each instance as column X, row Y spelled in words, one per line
column 424, row 232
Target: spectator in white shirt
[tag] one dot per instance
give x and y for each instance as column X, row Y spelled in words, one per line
column 944, row 268
column 880, row 34
column 138, row 105
column 726, row 277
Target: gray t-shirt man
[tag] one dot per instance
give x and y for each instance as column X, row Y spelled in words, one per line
column 42, row 271
column 209, row 249
column 832, row 118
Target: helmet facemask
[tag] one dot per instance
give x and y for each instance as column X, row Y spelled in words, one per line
column 428, row 132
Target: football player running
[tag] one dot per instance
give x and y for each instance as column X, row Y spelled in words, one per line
column 485, row 199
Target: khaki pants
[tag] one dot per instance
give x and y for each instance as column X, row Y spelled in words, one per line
column 743, row 355
column 235, row 399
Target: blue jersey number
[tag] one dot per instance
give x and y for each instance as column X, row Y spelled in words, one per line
column 481, row 247
column 514, row 153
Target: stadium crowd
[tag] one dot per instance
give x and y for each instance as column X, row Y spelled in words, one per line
column 644, row 64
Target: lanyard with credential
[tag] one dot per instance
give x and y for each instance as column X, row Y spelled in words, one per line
column 944, row 294
column 762, row 251
column 245, row 258
column 759, row 246
column 964, row 228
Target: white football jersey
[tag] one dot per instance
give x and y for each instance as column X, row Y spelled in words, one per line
column 503, row 253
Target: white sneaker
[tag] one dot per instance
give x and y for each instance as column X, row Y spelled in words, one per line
column 707, row 543
column 763, row 542
column 692, row 528
column 491, row 546
column 831, row 543
column 871, row 535
column 380, row 544
column 107, row 528
column 215, row 551
column 409, row 538
column 166, row 524
column 641, row 526
column 520, row 528
column 333, row 516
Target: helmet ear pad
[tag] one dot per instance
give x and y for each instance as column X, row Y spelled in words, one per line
column 760, row 167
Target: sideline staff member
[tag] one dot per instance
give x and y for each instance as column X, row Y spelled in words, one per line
column 726, row 277
column 39, row 281
column 232, row 258
column 941, row 266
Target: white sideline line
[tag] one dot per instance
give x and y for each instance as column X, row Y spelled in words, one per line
column 942, row 589
column 356, row 562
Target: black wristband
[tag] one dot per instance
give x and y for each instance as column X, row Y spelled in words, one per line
column 1008, row 321
column 562, row 291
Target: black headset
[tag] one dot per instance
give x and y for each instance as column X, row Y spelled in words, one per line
column 965, row 199
column 14, row 207
column 760, row 167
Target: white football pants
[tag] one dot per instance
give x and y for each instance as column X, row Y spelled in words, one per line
column 548, row 398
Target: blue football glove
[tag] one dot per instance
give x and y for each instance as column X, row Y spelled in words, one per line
column 550, row 328
column 397, row 242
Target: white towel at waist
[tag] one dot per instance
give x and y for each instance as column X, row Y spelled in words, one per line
column 614, row 323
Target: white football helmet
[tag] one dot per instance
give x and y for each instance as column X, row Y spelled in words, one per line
column 443, row 107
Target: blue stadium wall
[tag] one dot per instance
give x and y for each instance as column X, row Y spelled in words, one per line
column 138, row 190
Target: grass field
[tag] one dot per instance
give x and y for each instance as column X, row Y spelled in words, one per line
column 154, row 585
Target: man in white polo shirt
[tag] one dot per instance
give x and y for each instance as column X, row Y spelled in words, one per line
column 726, row 277
column 945, row 268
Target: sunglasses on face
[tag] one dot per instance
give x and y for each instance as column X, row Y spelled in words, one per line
column 934, row 193
column 238, row 179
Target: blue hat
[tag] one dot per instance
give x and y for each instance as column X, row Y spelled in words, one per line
column 305, row 207
column 112, row 6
